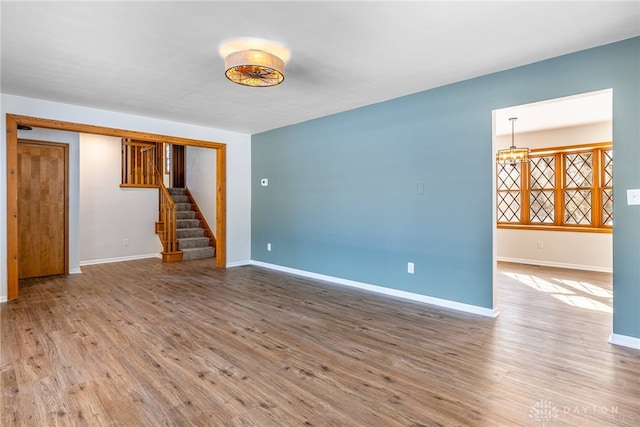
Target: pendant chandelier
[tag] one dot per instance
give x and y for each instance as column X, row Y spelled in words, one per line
column 513, row 155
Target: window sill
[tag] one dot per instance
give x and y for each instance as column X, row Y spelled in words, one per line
column 565, row 228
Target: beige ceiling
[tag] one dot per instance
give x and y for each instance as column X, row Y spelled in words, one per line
column 159, row 59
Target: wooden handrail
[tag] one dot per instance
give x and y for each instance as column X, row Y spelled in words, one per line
column 168, row 218
column 166, row 227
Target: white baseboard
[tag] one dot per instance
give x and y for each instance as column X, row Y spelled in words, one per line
column 467, row 308
column 75, row 271
column 119, row 259
column 3, row 298
column 556, row 264
column 625, row 341
column 238, row 263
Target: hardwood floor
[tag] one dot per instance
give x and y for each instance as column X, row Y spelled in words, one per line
column 146, row 343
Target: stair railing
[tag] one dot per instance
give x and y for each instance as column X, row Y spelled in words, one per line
column 167, row 224
column 138, row 164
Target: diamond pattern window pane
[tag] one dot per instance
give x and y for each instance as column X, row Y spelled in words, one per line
column 607, row 168
column 587, row 193
column 607, row 206
column 509, row 206
column 541, row 207
column 578, row 170
column 577, row 207
column 542, row 172
column 508, row 177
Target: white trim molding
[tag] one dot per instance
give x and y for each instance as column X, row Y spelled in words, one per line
column 119, row 259
column 625, row 341
column 3, row 298
column 453, row 305
column 238, row 263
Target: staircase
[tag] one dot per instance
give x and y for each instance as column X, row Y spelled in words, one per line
column 192, row 238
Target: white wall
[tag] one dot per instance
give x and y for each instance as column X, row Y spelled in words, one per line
column 201, row 181
column 72, row 139
column 585, row 251
column 238, row 164
column 110, row 214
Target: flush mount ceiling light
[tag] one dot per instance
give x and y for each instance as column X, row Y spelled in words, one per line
column 254, row 62
column 513, row 155
column 254, row 68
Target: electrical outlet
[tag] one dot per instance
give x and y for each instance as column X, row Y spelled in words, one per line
column 540, row 244
column 410, row 267
column 125, row 242
column 269, row 247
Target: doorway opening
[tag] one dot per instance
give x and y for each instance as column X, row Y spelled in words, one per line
column 12, row 123
column 558, row 240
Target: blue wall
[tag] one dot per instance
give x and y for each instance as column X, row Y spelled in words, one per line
column 343, row 198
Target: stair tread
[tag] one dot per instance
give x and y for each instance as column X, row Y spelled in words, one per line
column 189, row 233
column 201, row 249
column 195, row 221
column 193, row 242
column 198, row 253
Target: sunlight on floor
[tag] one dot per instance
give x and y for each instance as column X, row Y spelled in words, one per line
column 571, row 292
column 587, row 288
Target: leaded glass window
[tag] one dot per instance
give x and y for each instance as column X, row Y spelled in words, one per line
column 577, row 190
column 559, row 188
column 607, row 187
column 542, row 179
column 509, row 193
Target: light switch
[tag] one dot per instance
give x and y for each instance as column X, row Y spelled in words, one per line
column 633, row 196
column 264, row 182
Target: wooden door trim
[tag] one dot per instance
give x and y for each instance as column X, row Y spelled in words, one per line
column 12, row 122
column 65, row 148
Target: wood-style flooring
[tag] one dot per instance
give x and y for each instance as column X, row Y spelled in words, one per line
column 143, row 343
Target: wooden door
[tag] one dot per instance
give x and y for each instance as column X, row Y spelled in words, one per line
column 178, row 166
column 42, row 209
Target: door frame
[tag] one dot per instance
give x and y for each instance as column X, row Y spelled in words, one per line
column 65, row 148
column 13, row 120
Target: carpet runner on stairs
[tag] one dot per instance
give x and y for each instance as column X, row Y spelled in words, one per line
column 191, row 237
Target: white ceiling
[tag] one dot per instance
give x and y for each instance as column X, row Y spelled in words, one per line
column 159, row 59
column 567, row 111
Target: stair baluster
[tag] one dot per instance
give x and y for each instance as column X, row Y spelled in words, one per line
column 167, row 224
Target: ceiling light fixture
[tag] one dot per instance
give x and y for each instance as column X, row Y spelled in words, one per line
column 254, row 67
column 513, row 155
column 254, row 62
